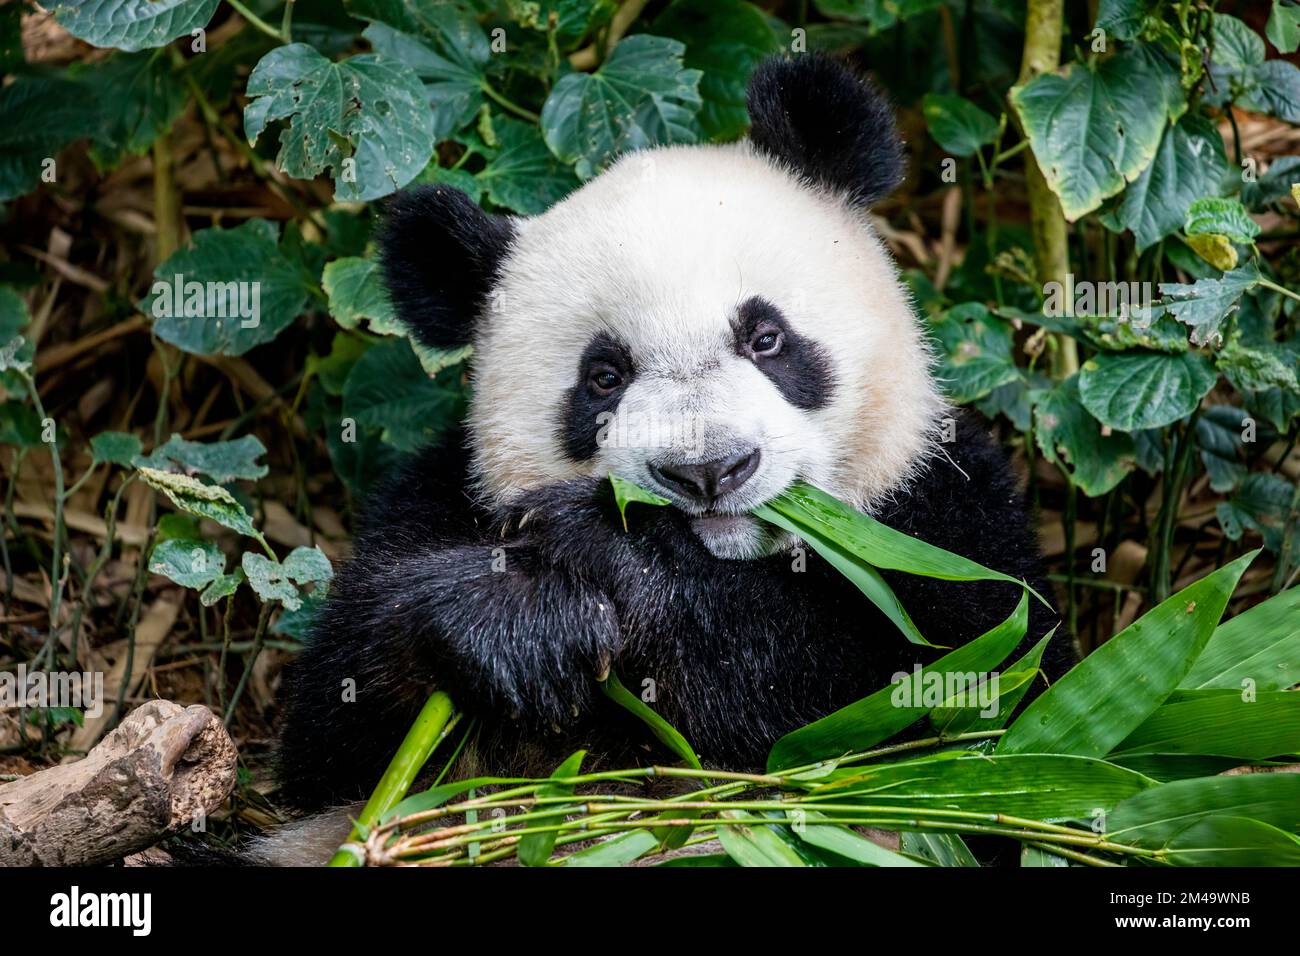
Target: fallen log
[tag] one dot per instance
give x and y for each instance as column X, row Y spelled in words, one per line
column 162, row 767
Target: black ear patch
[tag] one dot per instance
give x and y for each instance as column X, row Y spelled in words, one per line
column 441, row 254
column 828, row 125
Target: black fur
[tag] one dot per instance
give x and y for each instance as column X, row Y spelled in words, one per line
column 579, row 425
column 836, row 130
column 740, row 652
column 441, row 254
column 801, row 371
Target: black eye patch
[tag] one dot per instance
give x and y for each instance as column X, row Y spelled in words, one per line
column 800, row 370
column 579, row 425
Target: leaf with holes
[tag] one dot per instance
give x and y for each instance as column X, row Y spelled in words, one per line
column 204, row 501
column 270, row 581
column 1206, row 304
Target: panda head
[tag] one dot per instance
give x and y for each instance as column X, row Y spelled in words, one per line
column 710, row 322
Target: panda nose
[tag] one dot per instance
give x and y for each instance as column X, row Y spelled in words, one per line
column 706, row 480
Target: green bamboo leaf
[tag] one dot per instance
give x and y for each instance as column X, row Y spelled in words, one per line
column 1105, row 698
column 1220, row 724
column 1032, row 856
column 535, row 848
column 444, row 793
column 945, row 849
column 1154, row 816
column 206, row 501
column 756, row 844
column 844, row 842
column 1038, row 786
column 1233, row 841
column 1261, row 645
column 615, row 851
column 881, row 715
column 626, row 492
column 665, row 732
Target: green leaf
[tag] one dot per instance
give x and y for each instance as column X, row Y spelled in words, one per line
column 231, row 290
column 1261, row 504
column 1261, row 645
column 945, row 849
column 356, row 291
column 222, row 461
column 366, row 118
column 665, row 732
column 222, row 587
column 756, row 844
column 1236, row 46
column 1013, row 683
column 1132, row 391
column 1106, row 697
column 1094, row 130
column 133, row 24
column 957, row 124
column 535, row 848
column 1274, row 185
column 842, row 841
column 115, row 448
column 725, row 40
column 1218, row 433
column 42, row 115
column 1069, row 436
column 19, row 425
column 191, row 563
column 641, row 96
column 443, row 45
column 626, row 492
column 1189, row 164
column 270, row 580
column 1220, row 725
column 1154, row 816
column 615, row 851
column 1233, row 841
column 1206, row 304
column 146, row 97
column 977, row 352
column 1283, row 29
column 308, row 566
column 205, row 501
column 1275, row 90
column 1039, row 786
column 1122, row 19
column 522, row 174
column 388, row 389
column 879, row 716
column 1225, row 217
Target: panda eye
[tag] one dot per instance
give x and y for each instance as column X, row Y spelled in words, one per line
column 605, row 380
column 766, row 342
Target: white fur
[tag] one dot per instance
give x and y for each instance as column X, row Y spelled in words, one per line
column 660, row 251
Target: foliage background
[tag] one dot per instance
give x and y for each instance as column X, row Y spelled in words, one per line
column 1153, row 454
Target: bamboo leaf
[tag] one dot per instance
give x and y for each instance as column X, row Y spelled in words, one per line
column 1262, row 646
column 1155, row 816
column 1220, row 724
column 1233, row 841
column 535, row 848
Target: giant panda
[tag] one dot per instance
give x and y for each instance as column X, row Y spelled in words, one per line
column 737, row 297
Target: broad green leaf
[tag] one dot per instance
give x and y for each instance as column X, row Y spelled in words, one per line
column 1218, row 434
column 366, row 118
column 1189, row 164
column 879, row 716
column 1105, row 698
column 132, row 24
column 442, row 44
column 1206, row 304
column 308, row 566
column 230, row 290
column 844, row 842
column 356, row 291
column 42, row 115
column 1261, row 645
column 146, row 96
column 665, row 732
column 222, row 461
column 1232, row 841
column 191, row 563
column 1221, row 216
column 1039, row 786
column 116, row 448
column 535, row 848
column 1236, row 46
column 1154, row 816
column 1283, row 28
column 19, row 425
column 957, row 124
column 1068, row 435
column 756, row 844
column 522, row 174
column 1275, row 90
column 222, row 587
column 1132, row 391
column 388, row 389
column 641, row 96
column 977, row 352
column 1261, row 504
column 626, row 492
column 205, row 501
column 1093, row 130
column 1122, row 19
column 270, row 580
column 1220, row 725
column 725, row 40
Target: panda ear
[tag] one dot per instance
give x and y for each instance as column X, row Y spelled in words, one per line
column 440, row 255
column 829, row 126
